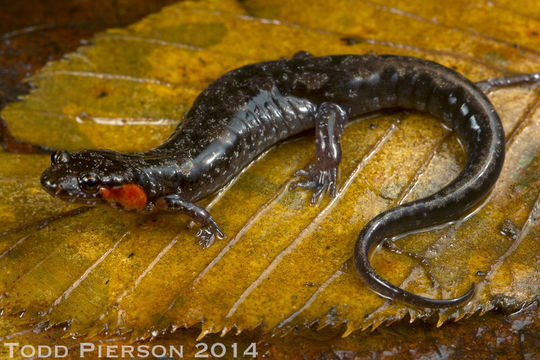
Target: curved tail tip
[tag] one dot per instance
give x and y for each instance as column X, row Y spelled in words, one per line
column 460, row 299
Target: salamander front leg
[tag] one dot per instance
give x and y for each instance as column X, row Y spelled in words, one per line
column 321, row 176
column 208, row 227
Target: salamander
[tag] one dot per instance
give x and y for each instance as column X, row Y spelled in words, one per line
column 247, row 110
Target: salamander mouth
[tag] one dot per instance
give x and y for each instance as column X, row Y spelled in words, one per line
column 65, row 196
column 82, row 201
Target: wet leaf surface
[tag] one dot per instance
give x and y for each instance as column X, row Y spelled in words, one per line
column 284, row 264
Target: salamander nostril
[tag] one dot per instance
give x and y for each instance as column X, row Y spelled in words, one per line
column 47, row 183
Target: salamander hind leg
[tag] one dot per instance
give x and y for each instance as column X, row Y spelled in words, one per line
column 321, row 176
column 208, row 228
column 498, row 83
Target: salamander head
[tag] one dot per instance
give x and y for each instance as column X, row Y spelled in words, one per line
column 94, row 176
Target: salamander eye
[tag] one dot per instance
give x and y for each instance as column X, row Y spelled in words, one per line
column 59, row 157
column 89, row 182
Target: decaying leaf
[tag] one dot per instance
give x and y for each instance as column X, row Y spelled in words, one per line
column 283, row 263
column 511, row 337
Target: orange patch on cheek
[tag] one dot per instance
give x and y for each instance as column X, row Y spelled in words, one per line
column 130, row 196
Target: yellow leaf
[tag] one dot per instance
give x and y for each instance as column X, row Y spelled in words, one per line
column 284, row 263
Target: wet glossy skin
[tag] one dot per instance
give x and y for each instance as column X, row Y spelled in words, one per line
column 250, row 109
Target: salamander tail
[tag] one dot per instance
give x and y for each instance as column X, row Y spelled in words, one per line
column 368, row 239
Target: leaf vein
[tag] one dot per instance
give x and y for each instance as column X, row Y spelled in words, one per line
column 470, row 31
column 310, row 301
column 106, row 76
column 149, row 40
column 532, row 219
column 87, row 272
column 524, row 120
column 148, row 269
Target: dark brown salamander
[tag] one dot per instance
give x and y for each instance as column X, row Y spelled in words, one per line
column 252, row 108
